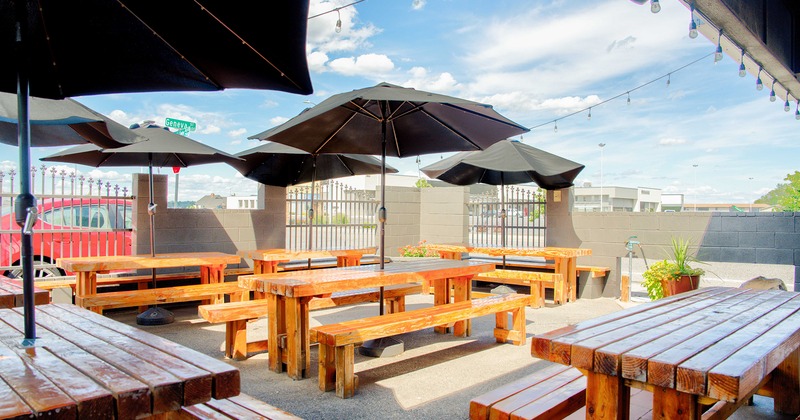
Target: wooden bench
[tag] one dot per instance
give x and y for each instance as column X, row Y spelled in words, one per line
column 241, row 406
column 128, row 298
column 554, row 392
column 594, row 271
column 143, row 281
column 235, row 315
column 337, row 342
column 11, row 294
column 537, row 282
column 317, row 263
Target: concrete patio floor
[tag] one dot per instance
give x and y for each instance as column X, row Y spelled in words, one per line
column 435, row 378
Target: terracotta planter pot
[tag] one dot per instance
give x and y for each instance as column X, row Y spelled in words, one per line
column 684, row 284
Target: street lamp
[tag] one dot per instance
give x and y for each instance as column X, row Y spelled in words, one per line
column 602, row 145
column 695, row 186
column 751, row 201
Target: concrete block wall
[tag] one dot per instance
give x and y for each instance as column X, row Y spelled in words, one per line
column 444, row 215
column 402, row 218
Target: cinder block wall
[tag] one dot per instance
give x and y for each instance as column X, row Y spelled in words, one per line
column 402, row 218
column 205, row 230
column 444, row 215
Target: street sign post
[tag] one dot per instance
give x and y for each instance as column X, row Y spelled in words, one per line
column 181, row 125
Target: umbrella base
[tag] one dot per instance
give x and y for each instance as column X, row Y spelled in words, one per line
column 383, row 347
column 155, row 316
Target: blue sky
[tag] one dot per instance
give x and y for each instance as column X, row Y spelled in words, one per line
column 534, row 61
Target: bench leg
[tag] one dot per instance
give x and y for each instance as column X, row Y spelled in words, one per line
column 327, row 368
column 785, row 383
column 516, row 334
column 395, row 304
column 345, row 371
column 441, row 296
column 236, row 339
column 537, row 294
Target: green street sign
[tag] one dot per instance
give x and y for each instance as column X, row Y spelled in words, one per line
column 180, row 124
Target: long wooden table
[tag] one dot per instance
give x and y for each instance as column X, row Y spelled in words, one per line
column 564, row 259
column 287, row 295
column 11, row 295
column 212, row 267
column 267, row 260
column 84, row 365
column 710, row 347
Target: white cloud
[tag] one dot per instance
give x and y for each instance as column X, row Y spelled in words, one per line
column 209, row 129
column 236, row 142
column 418, row 4
column 441, row 83
column 239, row 132
column 321, row 33
column 364, row 65
column 316, row 61
column 277, row 121
column 671, row 142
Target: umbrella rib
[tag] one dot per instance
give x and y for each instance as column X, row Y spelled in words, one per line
column 363, row 111
column 339, row 157
column 324, row 143
column 183, row 57
column 452, row 130
column 467, row 110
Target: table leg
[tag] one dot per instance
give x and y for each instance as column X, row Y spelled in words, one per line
column 450, row 255
column 561, row 294
column 441, row 296
column 348, row 260
column 276, row 326
column 298, row 346
column 669, row 403
column 462, row 291
column 263, row 267
column 86, row 284
column 572, row 271
column 607, row 397
column 213, row 274
column 785, row 385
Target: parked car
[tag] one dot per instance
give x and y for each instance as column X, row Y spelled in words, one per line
column 70, row 227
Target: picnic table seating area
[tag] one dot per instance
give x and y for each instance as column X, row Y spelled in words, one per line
column 235, row 315
column 537, row 282
column 11, row 293
column 337, row 342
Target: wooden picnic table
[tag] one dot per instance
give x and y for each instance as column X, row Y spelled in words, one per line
column 710, row 347
column 288, row 294
column 564, row 259
column 267, row 260
column 212, row 267
column 84, row 365
column 11, row 295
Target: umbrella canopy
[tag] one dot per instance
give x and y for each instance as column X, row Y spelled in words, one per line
column 393, row 120
column 95, row 47
column 280, row 165
column 57, row 122
column 506, row 162
column 415, row 122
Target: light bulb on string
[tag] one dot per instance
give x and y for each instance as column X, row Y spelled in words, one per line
column 742, row 69
column 718, row 52
column 759, row 83
column 589, row 116
column 555, row 126
column 629, row 98
column 786, row 104
column 669, row 78
column 655, row 6
column 772, row 96
column 338, row 22
column 693, row 24
column 797, row 110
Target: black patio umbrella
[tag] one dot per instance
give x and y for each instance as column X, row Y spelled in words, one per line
column 184, row 45
column 281, row 166
column 392, row 120
column 160, row 148
column 58, row 122
column 503, row 163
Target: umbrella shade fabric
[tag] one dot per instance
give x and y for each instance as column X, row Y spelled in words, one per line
column 97, row 46
column 417, row 122
column 57, row 122
column 280, row 165
column 504, row 163
column 161, row 148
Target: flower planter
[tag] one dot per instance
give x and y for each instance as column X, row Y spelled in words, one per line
column 684, row 284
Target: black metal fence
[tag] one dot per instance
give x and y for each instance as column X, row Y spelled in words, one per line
column 525, row 225
column 343, row 217
column 78, row 217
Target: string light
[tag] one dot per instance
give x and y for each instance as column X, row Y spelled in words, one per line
column 759, row 83
column 742, row 69
column 655, row 6
column 693, row 24
column 589, row 116
column 338, row 27
column 786, row 104
column 797, row 110
column 772, row 96
column 718, row 52
column 669, row 78
column 629, row 98
column 555, row 126
column 338, row 22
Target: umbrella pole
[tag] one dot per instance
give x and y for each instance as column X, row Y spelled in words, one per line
column 311, row 209
column 503, row 216
column 25, row 206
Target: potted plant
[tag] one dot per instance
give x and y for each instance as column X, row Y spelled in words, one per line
column 666, row 278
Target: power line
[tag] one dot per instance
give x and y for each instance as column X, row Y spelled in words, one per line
column 336, row 9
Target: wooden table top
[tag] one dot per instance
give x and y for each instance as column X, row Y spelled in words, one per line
column 329, row 280
column 279, row 254
column 546, row 252
column 85, row 365
column 129, row 262
column 11, row 294
column 716, row 342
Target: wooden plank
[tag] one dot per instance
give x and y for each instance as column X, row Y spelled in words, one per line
column 743, row 370
column 608, row 359
column 11, row 405
column 561, row 347
column 226, row 378
column 787, row 383
column 607, row 397
column 132, row 397
column 261, row 407
column 661, row 368
column 557, row 404
column 691, row 374
column 669, row 403
column 129, row 262
column 541, row 343
column 129, row 298
column 503, row 409
column 480, row 405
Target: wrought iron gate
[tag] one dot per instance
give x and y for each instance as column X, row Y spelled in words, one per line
column 525, row 218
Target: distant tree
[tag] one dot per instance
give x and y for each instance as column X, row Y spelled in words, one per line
column 423, row 183
column 786, row 197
